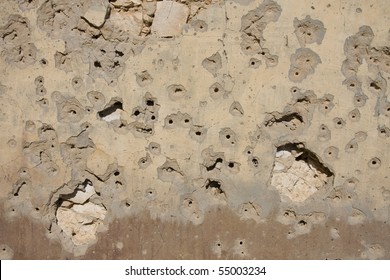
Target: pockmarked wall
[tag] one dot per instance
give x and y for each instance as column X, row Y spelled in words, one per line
column 194, row 129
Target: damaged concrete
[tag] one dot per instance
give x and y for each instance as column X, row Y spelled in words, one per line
column 128, row 123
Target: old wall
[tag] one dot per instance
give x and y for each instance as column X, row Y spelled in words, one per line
column 194, row 129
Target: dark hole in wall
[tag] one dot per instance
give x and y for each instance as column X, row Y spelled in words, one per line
column 214, row 184
column 211, row 167
column 285, row 118
column 308, row 156
column 111, row 109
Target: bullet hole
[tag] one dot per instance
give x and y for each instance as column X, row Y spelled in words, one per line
column 110, row 108
column 271, row 60
column 144, row 162
column 200, row 25
column 324, row 133
column 254, row 63
column 227, row 137
column 352, row 146
column 198, row 133
column 294, row 90
column 215, row 185
column 254, row 161
column 374, row 163
column 39, row 81
column 354, row 115
column 118, row 53
column 176, row 92
column 40, row 90
column 149, row 102
column 331, row 152
column 302, row 223
column 150, row 194
column 43, row 62
column 216, row 91
column 154, row 148
column 214, row 165
column 44, row 103
column 248, row 150
column 359, row 100
column 117, row 173
column 338, row 123
column 96, row 98
column 77, row 82
column 358, row 10
column 144, row 78
column 384, row 131
column 12, row 143
column 97, row 64
column 231, row 164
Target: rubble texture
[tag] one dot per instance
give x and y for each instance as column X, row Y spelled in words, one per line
column 194, row 129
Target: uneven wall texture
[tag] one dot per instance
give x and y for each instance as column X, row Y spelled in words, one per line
column 195, row 129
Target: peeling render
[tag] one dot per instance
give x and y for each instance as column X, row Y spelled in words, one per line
column 194, row 129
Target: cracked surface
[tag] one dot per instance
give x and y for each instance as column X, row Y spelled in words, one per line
column 184, row 129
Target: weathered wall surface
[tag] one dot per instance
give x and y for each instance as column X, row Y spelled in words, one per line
column 194, row 129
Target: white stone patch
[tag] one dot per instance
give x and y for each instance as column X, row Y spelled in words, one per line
column 80, row 219
column 295, row 179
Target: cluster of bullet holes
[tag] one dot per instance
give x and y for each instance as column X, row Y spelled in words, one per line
column 309, row 31
column 40, row 89
column 303, row 63
column 257, row 19
column 227, row 137
column 179, row 119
